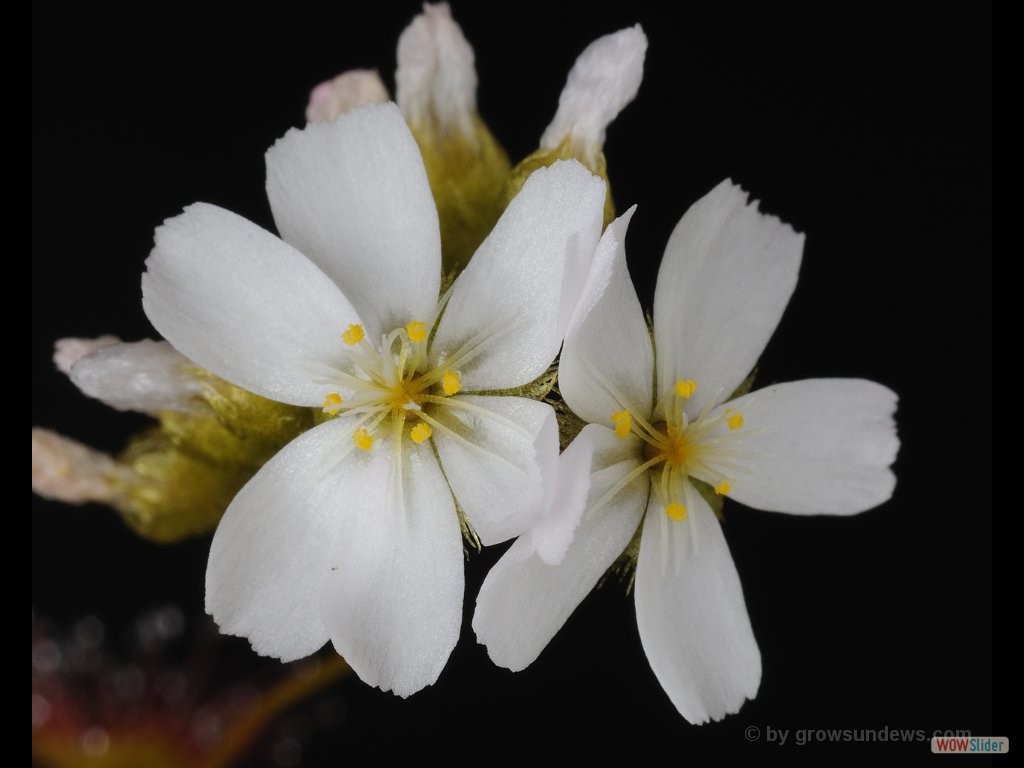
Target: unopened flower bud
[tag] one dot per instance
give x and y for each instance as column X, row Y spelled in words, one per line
column 604, row 79
column 466, row 167
column 349, row 89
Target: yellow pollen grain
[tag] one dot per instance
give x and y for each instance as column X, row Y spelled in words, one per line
column 451, row 383
column 332, row 402
column 420, row 432
column 362, row 439
column 735, row 420
column 723, row 488
column 417, row 331
column 685, row 389
column 623, row 423
column 353, row 335
column 676, row 511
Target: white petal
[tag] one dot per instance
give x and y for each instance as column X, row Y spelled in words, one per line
column 488, row 449
column 604, row 79
column 67, row 352
column 270, row 556
column 607, row 363
column 565, row 496
column 353, row 196
column 506, row 303
column 691, row 615
column 246, row 306
column 146, row 376
column 524, row 601
column 436, row 77
column 348, row 90
column 546, row 448
column 393, row 596
column 726, row 277
column 824, row 447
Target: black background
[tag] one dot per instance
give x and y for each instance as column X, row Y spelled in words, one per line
column 867, row 126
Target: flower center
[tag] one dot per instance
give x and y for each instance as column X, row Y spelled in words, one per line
column 671, row 446
column 677, row 449
column 391, row 388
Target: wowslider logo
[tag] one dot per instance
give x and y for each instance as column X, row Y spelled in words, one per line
column 965, row 745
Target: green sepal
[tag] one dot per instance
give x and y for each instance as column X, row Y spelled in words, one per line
column 191, row 465
column 466, row 175
column 566, row 150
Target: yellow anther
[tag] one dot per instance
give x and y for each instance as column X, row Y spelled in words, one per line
column 734, row 420
column 685, row 389
column 451, row 383
column 332, row 402
column 723, row 488
column 353, row 335
column 417, row 331
column 420, row 432
column 362, row 439
column 676, row 511
column 623, row 423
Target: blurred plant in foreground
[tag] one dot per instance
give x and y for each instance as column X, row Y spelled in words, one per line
column 153, row 706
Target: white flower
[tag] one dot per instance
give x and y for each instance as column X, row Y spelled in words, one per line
column 352, row 533
column 660, row 420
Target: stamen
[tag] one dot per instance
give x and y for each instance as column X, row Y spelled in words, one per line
column 386, row 386
column 652, row 435
column 417, row 331
column 734, row 419
column 476, row 447
column 353, row 335
column 390, row 370
column 676, row 511
column 666, row 472
column 469, row 351
column 614, row 490
column 463, row 405
column 723, row 488
column 686, row 389
column 623, row 423
column 362, row 439
column 420, row 432
column 451, row 383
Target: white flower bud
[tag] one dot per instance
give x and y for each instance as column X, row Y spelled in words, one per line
column 604, row 79
column 67, row 352
column 66, row 470
column 436, row 77
column 147, row 376
column 348, row 90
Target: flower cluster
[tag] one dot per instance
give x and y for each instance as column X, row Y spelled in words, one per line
column 392, row 356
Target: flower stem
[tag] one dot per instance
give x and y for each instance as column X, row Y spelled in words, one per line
column 283, row 696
